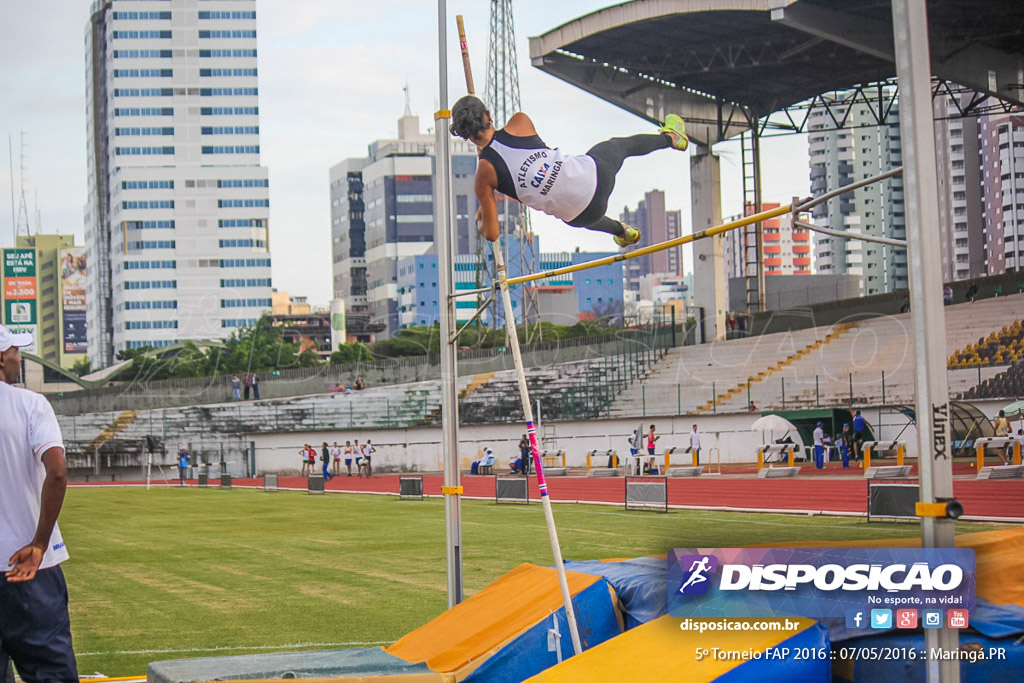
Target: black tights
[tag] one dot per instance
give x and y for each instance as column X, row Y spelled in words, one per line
column 608, row 156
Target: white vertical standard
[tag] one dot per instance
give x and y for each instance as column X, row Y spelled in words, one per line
column 913, row 69
column 443, row 211
column 531, row 431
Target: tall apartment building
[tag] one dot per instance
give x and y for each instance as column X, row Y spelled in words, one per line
column 961, row 197
column 787, row 250
column 844, row 156
column 1002, row 171
column 656, row 225
column 176, row 224
column 382, row 211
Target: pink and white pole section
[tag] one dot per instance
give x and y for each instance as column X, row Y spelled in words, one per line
column 531, row 431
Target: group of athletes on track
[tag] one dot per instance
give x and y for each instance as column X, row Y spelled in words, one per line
column 330, row 459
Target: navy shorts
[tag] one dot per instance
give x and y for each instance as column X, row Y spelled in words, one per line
column 35, row 630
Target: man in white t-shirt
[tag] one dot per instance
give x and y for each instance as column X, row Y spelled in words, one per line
column 695, row 444
column 35, row 630
column 819, row 446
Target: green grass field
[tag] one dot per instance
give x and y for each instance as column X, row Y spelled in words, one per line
column 175, row 573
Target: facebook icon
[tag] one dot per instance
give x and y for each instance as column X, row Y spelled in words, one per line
column 855, row 618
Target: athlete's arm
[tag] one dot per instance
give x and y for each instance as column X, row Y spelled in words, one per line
column 485, row 184
column 25, row 561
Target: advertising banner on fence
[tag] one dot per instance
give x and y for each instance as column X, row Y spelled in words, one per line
column 72, row 291
column 20, row 287
column 871, row 587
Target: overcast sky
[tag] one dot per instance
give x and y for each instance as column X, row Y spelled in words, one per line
column 331, row 79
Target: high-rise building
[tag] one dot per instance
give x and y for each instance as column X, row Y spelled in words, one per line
column 176, row 224
column 847, row 155
column 656, row 225
column 1002, row 171
column 787, row 250
column 598, row 292
column 382, row 211
column 961, row 200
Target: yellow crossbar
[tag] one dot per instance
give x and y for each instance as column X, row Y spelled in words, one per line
column 661, row 246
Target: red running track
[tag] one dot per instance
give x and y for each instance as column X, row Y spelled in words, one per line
column 990, row 499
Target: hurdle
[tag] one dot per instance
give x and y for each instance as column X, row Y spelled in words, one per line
column 879, row 446
column 981, row 443
column 610, row 453
column 765, row 453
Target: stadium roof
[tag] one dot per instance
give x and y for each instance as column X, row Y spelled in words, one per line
column 713, row 60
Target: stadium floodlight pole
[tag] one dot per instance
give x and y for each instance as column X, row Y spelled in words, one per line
column 531, row 431
column 443, row 211
column 913, row 71
column 524, row 393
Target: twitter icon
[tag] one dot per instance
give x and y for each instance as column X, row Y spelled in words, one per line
column 881, row 618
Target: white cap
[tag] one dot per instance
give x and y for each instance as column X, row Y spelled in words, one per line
column 9, row 339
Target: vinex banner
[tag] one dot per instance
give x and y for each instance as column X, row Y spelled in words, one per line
column 817, row 582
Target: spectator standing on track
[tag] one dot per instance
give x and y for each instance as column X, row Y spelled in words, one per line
column 184, row 458
column 35, row 629
column 304, row 454
column 819, row 446
column 634, row 444
column 255, row 386
column 311, row 459
column 325, row 461
column 695, row 444
column 859, row 425
column 525, row 454
column 651, row 439
column 368, row 451
column 236, row 385
column 1002, row 427
column 246, row 383
column 348, row 457
column 336, row 458
column 845, row 439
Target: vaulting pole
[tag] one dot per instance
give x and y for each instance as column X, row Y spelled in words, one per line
column 524, row 394
column 531, row 432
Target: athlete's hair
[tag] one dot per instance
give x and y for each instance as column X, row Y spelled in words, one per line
column 469, row 117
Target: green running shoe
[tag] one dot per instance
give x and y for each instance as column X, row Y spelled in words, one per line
column 631, row 236
column 676, row 127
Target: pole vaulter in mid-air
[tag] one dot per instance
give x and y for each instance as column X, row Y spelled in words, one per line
column 575, row 188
